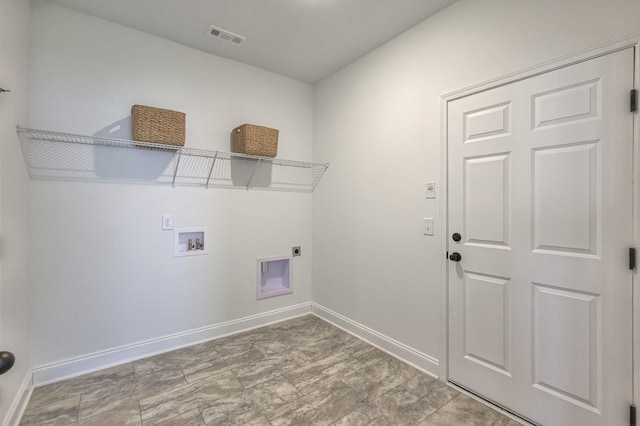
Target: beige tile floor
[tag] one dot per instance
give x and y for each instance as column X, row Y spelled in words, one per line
column 299, row 372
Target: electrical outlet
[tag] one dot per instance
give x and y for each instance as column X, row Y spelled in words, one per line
column 427, row 226
column 167, row 222
column 296, row 251
column 431, row 189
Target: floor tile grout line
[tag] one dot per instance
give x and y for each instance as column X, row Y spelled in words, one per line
column 372, row 401
column 79, row 405
column 447, row 403
column 352, row 411
column 140, row 413
column 201, row 415
column 244, row 388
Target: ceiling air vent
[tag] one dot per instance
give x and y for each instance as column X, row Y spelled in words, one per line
column 225, row 35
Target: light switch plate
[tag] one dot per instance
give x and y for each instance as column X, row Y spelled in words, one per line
column 431, row 189
column 167, row 222
column 427, row 226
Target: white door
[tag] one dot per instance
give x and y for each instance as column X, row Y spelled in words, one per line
column 540, row 189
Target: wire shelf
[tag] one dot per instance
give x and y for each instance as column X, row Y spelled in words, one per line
column 64, row 156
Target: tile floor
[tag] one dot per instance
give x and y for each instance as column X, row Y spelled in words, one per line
column 299, row 372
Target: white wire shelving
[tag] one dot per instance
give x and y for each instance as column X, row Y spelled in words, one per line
column 64, row 156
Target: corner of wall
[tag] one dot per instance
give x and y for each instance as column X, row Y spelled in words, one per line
column 15, row 288
column 20, row 402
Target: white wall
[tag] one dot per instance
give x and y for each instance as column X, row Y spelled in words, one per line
column 14, row 199
column 103, row 271
column 378, row 123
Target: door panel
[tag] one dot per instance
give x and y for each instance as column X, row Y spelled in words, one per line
column 486, row 321
column 540, row 186
column 566, row 199
column 488, row 122
column 564, row 105
column 486, row 214
column 566, row 339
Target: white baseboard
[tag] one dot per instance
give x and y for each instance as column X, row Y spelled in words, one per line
column 411, row 356
column 69, row 368
column 66, row 369
column 19, row 403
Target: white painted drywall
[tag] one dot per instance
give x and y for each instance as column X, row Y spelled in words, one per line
column 14, row 199
column 378, row 123
column 103, row 270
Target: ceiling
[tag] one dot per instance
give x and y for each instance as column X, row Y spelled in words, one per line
column 304, row 39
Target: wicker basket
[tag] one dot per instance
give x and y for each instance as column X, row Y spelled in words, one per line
column 158, row 125
column 255, row 140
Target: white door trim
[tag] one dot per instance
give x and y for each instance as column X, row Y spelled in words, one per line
column 562, row 62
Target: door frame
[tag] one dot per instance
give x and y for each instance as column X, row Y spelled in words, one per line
column 562, row 62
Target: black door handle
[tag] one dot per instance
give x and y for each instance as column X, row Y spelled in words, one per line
column 455, row 256
column 7, row 359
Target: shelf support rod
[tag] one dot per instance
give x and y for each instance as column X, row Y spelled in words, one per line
column 215, row 157
column 254, row 173
column 175, row 171
column 325, row 166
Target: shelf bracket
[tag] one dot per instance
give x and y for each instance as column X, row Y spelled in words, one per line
column 175, row 171
column 325, row 166
column 254, row 173
column 215, row 157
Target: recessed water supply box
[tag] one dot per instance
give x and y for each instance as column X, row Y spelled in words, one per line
column 274, row 277
column 190, row 241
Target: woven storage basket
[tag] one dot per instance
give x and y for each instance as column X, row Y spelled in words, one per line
column 158, row 125
column 255, row 140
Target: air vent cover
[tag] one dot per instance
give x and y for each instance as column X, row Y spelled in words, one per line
column 225, row 35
